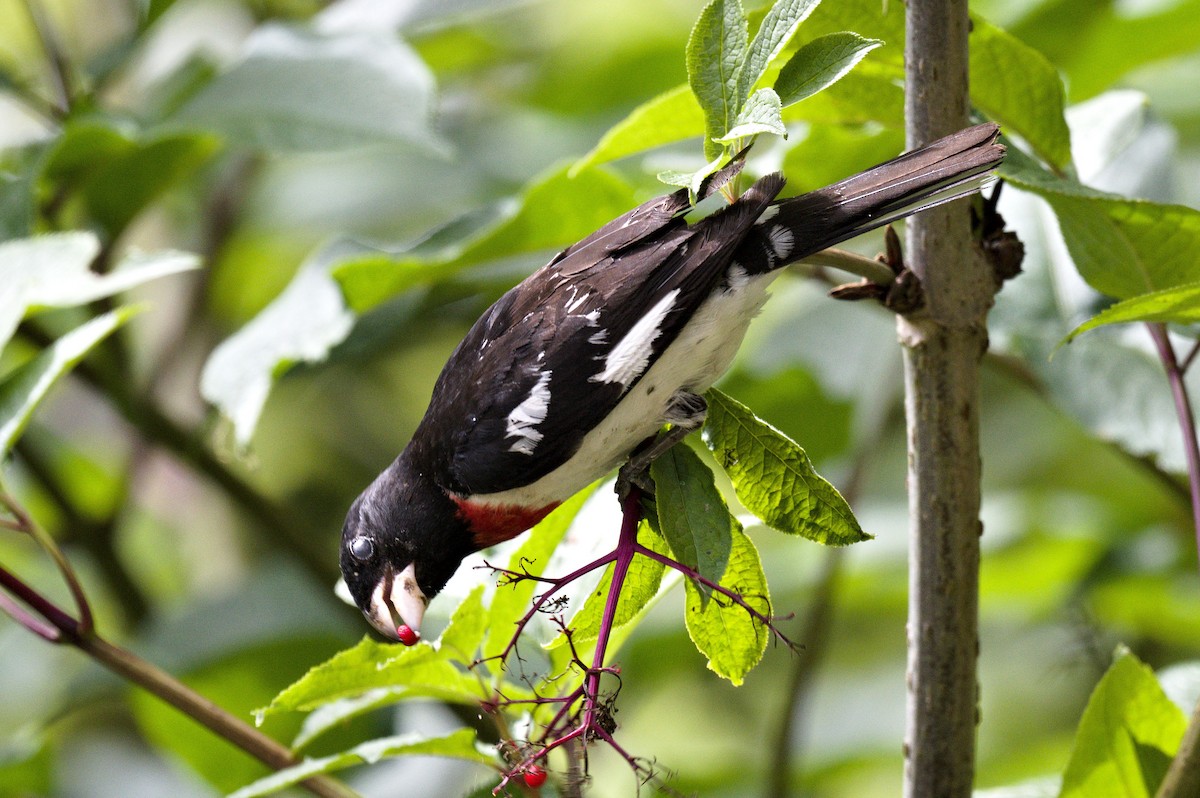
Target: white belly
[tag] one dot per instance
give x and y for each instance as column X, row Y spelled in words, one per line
column 700, row 354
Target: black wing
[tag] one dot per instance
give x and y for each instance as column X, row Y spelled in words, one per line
column 530, row 379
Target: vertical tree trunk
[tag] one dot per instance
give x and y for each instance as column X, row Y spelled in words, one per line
column 943, row 345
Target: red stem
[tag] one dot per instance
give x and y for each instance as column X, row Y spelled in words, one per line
column 1187, row 419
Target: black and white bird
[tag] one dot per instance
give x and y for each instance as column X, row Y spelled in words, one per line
column 567, row 373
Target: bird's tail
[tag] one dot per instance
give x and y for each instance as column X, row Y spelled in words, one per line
column 939, row 172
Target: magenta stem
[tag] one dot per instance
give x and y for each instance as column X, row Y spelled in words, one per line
column 1187, row 419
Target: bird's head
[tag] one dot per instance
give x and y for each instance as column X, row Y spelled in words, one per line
column 402, row 541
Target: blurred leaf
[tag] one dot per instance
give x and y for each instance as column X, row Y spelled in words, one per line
column 511, row 601
column 1179, row 305
column 830, row 152
column 459, row 745
column 773, row 35
column 555, row 210
column 716, row 51
column 1015, row 85
column 821, row 63
column 762, row 113
column 691, row 512
column 1122, row 247
column 300, row 326
column 421, row 670
column 119, row 172
column 1090, row 40
column 237, row 683
column 463, row 636
column 774, row 478
column 299, row 90
column 867, row 94
column 642, row 582
column 26, row 386
column 337, row 713
column 52, row 271
column 16, row 203
column 1128, row 712
column 732, row 640
column 672, row 116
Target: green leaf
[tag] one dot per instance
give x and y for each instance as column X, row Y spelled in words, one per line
column 777, row 29
column 672, row 116
column 301, row 325
column 716, row 51
column 642, row 582
column 774, row 478
column 555, row 210
column 299, row 90
column 459, row 745
column 511, row 601
column 692, row 514
column 821, row 63
column 1178, row 305
column 762, row 113
column 1128, row 723
column 1018, row 87
column 1122, row 247
column 463, row 636
column 420, row 671
column 53, row 271
column 724, row 632
column 26, row 386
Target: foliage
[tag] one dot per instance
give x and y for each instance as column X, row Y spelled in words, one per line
column 358, row 187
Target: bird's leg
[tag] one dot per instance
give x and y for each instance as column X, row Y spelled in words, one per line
column 685, row 414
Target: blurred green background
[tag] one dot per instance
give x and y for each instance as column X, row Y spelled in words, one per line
column 220, row 566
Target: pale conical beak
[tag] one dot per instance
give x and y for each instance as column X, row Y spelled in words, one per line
column 397, row 595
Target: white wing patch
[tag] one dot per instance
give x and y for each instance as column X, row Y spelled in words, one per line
column 524, row 418
column 737, row 277
column 782, row 241
column 629, row 358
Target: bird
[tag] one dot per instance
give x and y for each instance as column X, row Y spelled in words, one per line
column 595, row 352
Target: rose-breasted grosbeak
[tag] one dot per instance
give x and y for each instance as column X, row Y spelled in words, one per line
column 590, row 355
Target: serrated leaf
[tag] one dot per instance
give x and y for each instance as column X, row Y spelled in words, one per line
column 774, row 478
column 724, row 632
column 716, row 50
column 1018, row 87
column 776, row 30
column 1179, row 305
column 672, row 116
column 692, row 514
column 642, row 582
column 26, row 386
column 1127, row 724
column 821, row 63
column 300, row 90
column 511, row 601
column 53, row 271
column 301, row 325
column 1122, row 247
column 762, row 113
column 336, row 713
column 555, row 210
column 419, row 670
column 459, row 745
column 463, row 636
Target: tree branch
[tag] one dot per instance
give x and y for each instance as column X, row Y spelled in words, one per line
column 943, row 346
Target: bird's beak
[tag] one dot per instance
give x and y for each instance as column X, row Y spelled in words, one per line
column 397, row 595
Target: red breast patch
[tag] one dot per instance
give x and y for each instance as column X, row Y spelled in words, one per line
column 496, row 523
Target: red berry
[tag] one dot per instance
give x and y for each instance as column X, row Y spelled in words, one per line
column 535, row 776
column 408, row 636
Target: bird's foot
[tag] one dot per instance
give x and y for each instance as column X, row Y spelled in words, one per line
column 686, row 414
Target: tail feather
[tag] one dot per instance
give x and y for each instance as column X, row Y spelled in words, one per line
column 939, row 172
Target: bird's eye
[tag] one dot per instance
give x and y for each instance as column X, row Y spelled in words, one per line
column 362, row 548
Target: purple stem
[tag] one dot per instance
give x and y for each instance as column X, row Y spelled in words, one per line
column 627, row 547
column 1187, row 420
column 59, row 619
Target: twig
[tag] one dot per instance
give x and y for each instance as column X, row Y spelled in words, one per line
column 1183, row 776
column 853, row 263
column 58, row 626
column 60, row 69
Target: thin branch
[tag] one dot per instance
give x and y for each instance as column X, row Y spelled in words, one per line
column 1183, row 776
column 56, row 58
column 853, row 263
